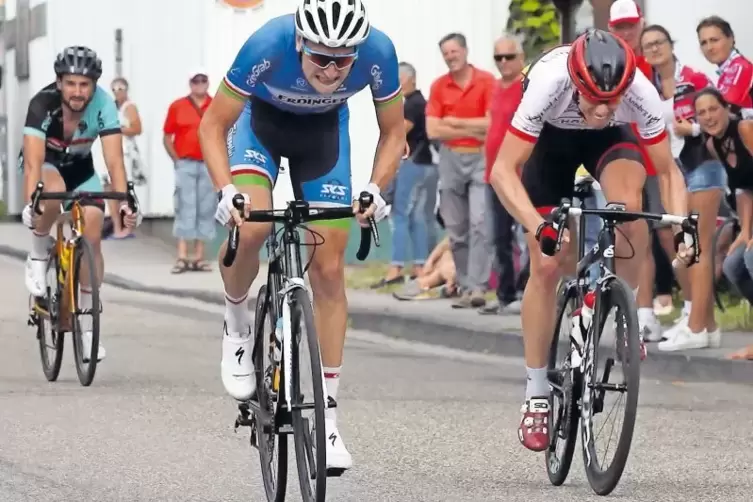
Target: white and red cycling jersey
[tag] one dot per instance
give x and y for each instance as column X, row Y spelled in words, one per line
column 736, row 81
column 549, row 97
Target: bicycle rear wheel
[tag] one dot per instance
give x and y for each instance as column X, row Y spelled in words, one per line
column 563, row 399
column 267, row 390
column 55, row 342
column 614, row 294
column 85, row 256
column 310, row 445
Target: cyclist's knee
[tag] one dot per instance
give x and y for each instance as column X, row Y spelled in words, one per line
column 327, row 273
column 93, row 219
column 252, row 236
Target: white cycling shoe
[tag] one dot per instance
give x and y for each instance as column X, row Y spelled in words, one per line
column 237, row 367
column 338, row 457
column 86, row 342
column 35, row 276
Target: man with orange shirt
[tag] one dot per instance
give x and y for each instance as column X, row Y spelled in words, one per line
column 456, row 116
column 195, row 199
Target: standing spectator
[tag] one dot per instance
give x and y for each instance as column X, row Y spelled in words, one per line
column 509, row 58
column 415, row 188
column 456, row 116
column 130, row 125
column 195, row 199
column 735, row 71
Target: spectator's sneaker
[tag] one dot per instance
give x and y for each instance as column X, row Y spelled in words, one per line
column 684, row 339
column 413, row 291
column 533, row 431
column 676, row 328
column 463, row 302
column 513, row 307
column 715, row 338
column 652, row 330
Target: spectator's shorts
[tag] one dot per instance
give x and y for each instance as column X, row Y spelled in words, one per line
column 317, row 147
column 707, row 176
column 77, row 177
column 549, row 175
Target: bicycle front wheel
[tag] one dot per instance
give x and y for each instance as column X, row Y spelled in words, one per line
column 307, row 396
column 616, row 341
column 274, row 472
column 86, row 363
column 53, row 343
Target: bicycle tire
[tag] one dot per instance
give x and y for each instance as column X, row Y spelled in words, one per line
column 301, row 430
column 51, row 369
column 275, row 492
column 614, row 293
column 714, row 243
column 558, row 468
column 84, row 254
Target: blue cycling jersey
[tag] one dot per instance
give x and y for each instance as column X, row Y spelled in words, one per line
column 268, row 67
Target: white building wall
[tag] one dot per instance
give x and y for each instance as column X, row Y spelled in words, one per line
column 165, row 39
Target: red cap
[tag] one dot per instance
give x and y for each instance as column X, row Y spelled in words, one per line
column 624, row 11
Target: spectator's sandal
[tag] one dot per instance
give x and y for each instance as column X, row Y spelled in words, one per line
column 181, row 265
column 201, row 266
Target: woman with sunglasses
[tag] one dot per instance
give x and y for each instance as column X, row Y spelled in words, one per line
column 705, row 180
column 130, row 126
column 730, row 140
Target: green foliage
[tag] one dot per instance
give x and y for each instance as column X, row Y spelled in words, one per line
column 538, row 21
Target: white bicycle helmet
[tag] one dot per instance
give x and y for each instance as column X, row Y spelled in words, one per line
column 334, row 23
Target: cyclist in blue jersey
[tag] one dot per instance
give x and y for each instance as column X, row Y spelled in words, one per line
column 285, row 95
column 62, row 123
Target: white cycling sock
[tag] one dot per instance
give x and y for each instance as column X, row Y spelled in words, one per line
column 686, row 307
column 332, row 383
column 645, row 315
column 85, row 302
column 537, row 384
column 237, row 316
column 40, row 245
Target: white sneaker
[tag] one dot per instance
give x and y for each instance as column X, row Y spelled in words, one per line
column 715, row 338
column 684, row 339
column 651, row 330
column 86, row 342
column 237, row 366
column 679, row 325
column 36, row 276
column 338, row 456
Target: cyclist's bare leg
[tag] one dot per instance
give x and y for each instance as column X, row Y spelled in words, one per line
column 53, row 182
column 622, row 181
column 36, row 262
column 701, row 275
column 327, row 275
column 237, row 341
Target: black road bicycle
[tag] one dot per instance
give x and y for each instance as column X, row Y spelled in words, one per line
column 581, row 379
column 58, row 311
column 284, row 331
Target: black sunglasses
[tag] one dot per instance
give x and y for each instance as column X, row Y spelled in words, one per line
column 506, row 57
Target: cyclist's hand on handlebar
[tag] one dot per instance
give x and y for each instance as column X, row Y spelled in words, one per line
column 226, row 214
column 377, row 209
column 546, row 235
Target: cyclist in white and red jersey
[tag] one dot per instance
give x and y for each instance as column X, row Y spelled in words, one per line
column 578, row 104
column 735, row 71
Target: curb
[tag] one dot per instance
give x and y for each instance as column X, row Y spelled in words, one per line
column 660, row 365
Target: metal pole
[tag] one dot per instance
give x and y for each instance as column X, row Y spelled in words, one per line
column 3, row 109
column 567, row 10
column 118, row 52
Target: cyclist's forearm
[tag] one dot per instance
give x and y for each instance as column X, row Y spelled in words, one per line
column 508, row 187
column 389, row 151
column 673, row 191
column 33, row 155
column 214, row 148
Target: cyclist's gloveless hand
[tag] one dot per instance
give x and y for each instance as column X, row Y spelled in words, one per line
column 377, row 210
column 27, row 216
column 226, row 214
column 131, row 218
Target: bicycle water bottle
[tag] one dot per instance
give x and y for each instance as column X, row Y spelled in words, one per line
column 582, row 316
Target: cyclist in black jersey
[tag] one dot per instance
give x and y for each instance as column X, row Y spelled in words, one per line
column 63, row 121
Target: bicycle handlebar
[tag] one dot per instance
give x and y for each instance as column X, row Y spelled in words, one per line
column 39, row 195
column 616, row 213
column 299, row 212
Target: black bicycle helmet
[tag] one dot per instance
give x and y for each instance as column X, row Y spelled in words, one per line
column 78, row 60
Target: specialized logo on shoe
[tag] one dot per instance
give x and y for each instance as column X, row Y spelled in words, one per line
column 333, row 438
column 240, row 353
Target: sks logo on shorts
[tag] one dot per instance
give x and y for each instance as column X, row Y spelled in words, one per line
column 255, row 157
column 256, row 71
column 334, row 190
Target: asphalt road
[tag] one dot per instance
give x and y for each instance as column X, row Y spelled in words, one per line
column 422, row 423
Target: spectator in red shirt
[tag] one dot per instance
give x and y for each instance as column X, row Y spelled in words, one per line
column 195, row 199
column 509, row 58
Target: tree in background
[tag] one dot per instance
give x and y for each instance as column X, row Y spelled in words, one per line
column 538, row 22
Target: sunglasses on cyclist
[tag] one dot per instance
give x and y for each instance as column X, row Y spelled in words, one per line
column 506, row 57
column 322, row 60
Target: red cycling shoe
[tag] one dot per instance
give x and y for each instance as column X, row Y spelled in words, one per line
column 534, row 426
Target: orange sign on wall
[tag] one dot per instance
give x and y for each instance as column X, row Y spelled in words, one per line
column 243, row 4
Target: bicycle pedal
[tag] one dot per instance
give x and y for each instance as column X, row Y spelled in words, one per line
column 331, row 403
column 333, row 472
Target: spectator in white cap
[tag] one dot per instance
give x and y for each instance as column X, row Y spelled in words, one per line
column 194, row 199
